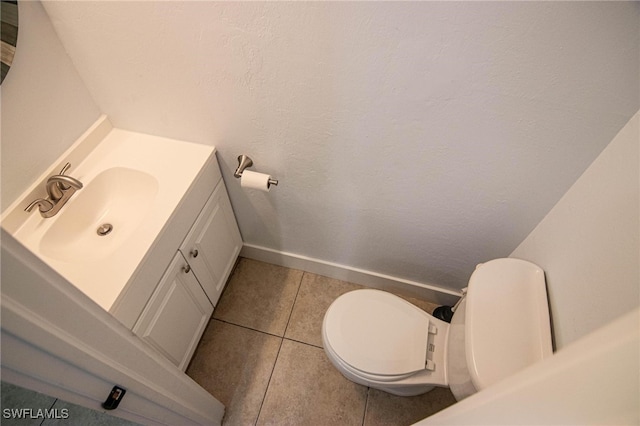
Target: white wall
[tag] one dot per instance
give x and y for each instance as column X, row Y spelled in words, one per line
column 45, row 104
column 589, row 243
column 413, row 139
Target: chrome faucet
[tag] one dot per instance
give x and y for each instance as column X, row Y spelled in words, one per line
column 59, row 185
column 60, row 188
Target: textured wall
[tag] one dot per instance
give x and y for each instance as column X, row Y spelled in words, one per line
column 414, row 139
column 45, row 104
column 589, row 243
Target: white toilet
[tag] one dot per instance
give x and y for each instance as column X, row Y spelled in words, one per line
column 500, row 327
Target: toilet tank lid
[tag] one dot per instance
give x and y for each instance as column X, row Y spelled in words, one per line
column 506, row 320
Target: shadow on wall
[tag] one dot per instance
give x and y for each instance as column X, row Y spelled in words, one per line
column 256, row 211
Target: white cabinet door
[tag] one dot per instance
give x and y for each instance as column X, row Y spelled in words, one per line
column 175, row 317
column 213, row 244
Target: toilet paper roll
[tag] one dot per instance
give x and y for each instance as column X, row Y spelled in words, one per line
column 255, row 180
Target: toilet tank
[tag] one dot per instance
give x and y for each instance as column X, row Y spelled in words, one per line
column 501, row 327
column 507, row 324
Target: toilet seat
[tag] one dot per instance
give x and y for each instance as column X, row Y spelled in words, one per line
column 377, row 335
column 354, row 372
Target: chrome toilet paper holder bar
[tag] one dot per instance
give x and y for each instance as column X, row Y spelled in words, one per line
column 245, row 161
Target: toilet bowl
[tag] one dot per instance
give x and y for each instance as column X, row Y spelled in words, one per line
column 380, row 340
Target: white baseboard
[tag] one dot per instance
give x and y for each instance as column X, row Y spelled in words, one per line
column 430, row 292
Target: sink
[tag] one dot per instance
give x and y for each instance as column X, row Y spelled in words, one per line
column 101, row 216
column 133, row 184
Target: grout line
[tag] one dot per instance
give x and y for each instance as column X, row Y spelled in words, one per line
column 55, row 401
column 279, row 349
column 269, row 381
column 304, row 343
column 267, row 333
column 247, row 328
column 366, row 405
column 295, row 299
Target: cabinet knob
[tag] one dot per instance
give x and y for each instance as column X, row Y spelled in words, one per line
column 194, row 253
column 186, row 269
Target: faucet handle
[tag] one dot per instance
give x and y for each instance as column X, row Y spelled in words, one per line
column 65, row 168
column 44, row 205
column 62, row 172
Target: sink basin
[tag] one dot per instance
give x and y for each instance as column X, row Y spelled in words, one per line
column 133, row 184
column 115, row 202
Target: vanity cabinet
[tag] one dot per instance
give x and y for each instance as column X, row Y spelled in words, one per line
column 174, row 241
column 177, row 313
column 213, row 244
column 180, row 307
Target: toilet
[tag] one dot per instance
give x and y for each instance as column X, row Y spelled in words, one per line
column 500, row 326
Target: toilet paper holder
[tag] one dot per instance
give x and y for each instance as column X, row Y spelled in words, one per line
column 245, row 161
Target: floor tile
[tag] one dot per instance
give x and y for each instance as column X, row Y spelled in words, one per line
column 305, row 389
column 314, row 297
column 234, row 364
column 389, row 410
column 259, row 296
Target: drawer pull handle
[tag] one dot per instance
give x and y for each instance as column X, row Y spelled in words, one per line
column 186, row 269
column 194, row 253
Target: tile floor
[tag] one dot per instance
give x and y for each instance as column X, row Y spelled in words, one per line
column 262, row 356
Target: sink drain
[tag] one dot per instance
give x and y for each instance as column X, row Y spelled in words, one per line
column 104, row 229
